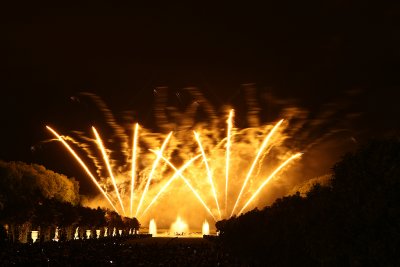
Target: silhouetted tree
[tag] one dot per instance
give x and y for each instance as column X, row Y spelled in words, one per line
column 353, row 222
column 24, row 187
column 130, row 223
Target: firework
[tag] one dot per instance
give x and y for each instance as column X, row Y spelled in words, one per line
column 155, row 164
column 107, row 162
column 226, row 175
column 227, row 161
column 134, row 158
column 209, row 174
column 269, row 179
column 249, row 173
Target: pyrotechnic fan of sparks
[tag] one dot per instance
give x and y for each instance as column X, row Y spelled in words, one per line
column 217, row 188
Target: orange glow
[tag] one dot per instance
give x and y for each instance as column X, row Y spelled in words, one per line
column 176, row 174
column 190, row 186
column 269, row 179
column 179, row 227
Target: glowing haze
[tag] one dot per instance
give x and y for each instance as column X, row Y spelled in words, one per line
column 200, row 171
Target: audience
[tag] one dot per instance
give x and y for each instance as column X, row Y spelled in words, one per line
column 118, row 251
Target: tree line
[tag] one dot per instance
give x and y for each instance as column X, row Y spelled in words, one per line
column 34, row 198
column 354, row 221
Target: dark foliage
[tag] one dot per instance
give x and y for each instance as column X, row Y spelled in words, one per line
column 353, row 222
column 33, row 198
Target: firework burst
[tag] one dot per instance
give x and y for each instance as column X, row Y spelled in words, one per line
column 232, row 169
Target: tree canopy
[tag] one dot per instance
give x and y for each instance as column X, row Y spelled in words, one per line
column 23, row 186
column 29, row 193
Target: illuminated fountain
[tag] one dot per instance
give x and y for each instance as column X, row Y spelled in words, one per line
column 179, row 227
column 223, row 169
column 205, row 229
column 153, row 228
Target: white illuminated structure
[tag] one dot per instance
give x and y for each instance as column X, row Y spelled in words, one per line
column 88, row 233
column 97, row 234
column 34, row 235
column 56, row 237
column 76, row 235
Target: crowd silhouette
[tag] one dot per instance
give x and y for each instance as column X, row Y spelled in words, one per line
column 118, row 251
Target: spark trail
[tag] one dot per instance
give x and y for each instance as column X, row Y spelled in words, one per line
column 260, row 151
column 155, row 164
column 83, row 165
column 239, row 155
column 107, row 162
column 209, row 174
column 134, row 158
column 269, row 179
column 228, row 147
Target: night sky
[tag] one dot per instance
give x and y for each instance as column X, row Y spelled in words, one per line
column 303, row 53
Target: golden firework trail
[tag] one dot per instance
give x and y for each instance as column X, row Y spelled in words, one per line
column 134, row 158
column 221, row 163
column 155, row 164
column 269, row 179
column 228, row 147
column 176, row 174
column 188, row 184
column 107, row 162
column 209, row 174
column 82, row 164
column 260, row 151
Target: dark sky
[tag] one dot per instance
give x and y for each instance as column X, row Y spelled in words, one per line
column 310, row 51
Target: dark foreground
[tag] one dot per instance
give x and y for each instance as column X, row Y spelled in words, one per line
column 120, row 252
